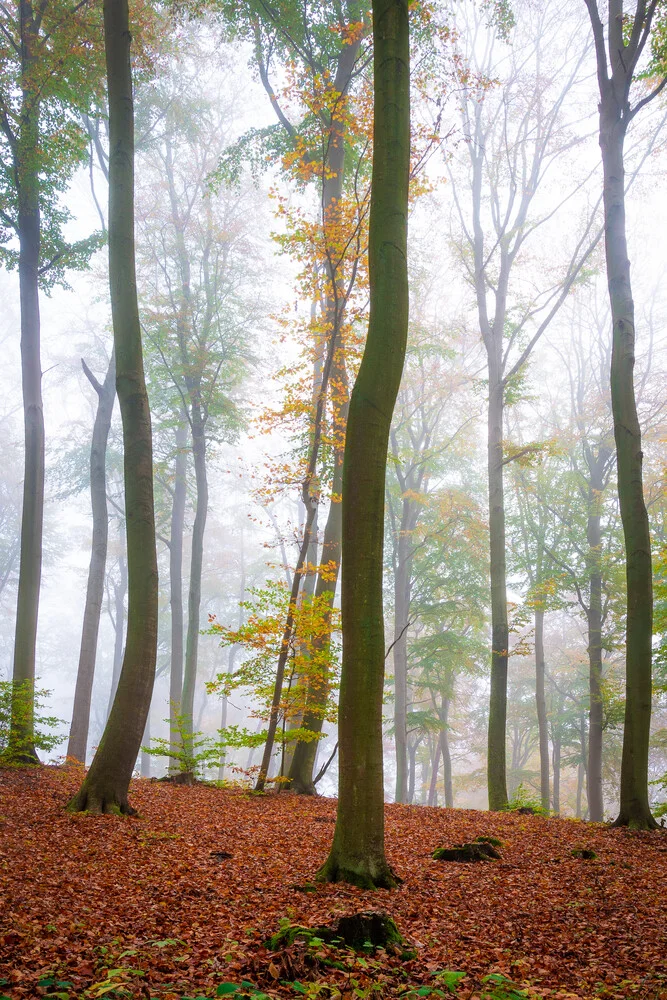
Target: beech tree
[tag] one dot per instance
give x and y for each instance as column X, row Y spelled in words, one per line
column 357, row 853
column 513, row 140
column 43, row 85
column 618, row 50
column 105, row 787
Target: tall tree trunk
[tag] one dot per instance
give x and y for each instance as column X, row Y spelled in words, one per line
column 26, row 166
column 357, row 853
column 594, row 616
column 120, row 590
column 625, row 50
column 635, row 810
column 497, row 765
column 302, row 763
column 541, row 705
column 555, row 749
column 400, row 654
column 145, row 758
column 196, row 563
column 435, row 767
column 105, row 787
column 179, row 496
column 302, row 768
column 106, row 393
column 446, row 754
column 412, row 769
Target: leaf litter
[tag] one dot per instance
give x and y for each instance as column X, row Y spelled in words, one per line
column 182, row 901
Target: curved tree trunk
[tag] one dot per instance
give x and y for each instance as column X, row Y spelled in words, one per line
column 357, row 853
column 106, row 393
column 105, row 787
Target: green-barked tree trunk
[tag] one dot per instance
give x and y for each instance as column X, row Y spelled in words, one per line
column 626, row 40
column 105, row 787
column 357, row 853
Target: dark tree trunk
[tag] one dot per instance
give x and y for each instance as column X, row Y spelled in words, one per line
column 105, row 787
column 541, row 705
column 625, row 51
column 106, row 393
column 357, row 853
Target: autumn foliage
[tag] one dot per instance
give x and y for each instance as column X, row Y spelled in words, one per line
column 185, row 897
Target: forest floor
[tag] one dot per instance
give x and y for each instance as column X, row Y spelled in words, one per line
column 95, row 907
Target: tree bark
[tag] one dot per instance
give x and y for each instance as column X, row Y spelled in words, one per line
column 105, row 787
column 615, row 115
column 26, row 167
column 357, row 853
column 106, row 393
column 541, row 706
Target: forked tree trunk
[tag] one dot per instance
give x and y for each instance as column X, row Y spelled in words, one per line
column 357, row 853
column 26, row 167
column 105, row 787
column 106, row 395
column 541, row 706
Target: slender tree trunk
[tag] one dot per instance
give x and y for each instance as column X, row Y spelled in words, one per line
column 357, row 853
column 303, row 761
column 120, row 590
column 106, row 393
column 412, row 769
column 145, row 758
column 433, row 786
column 541, row 705
column 26, row 167
column 400, row 655
column 105, row 787
column 594, row 616
column 196, row 563
column 635, row 810
column 179, row 496
column 497, row 766
column 555, row 747
column 446, row 755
